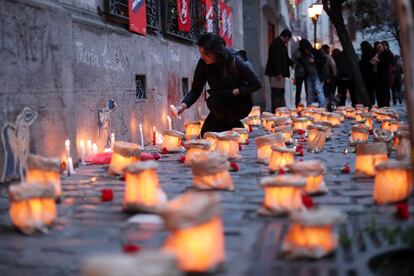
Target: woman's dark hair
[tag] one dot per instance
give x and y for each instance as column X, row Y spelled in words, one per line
column 286, row 33
column 213, row 43
column 366, row 49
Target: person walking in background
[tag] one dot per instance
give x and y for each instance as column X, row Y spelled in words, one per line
column 391, row 57
column 344, row 79
column 381, row 62
column 398, row 72
column 277, row 68
column 314, row 62
column 329, row 85
column 299, row 76
column 367, row 69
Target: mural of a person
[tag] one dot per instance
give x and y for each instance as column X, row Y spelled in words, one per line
column 104, row 124
column 16, row 138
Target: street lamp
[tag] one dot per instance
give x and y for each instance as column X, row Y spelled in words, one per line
column 315, row 10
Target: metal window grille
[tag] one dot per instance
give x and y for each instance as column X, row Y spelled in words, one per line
column 140, row 87
column 153, row 15
column 117, row 10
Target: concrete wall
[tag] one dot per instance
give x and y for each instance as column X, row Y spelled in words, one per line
column 65, row 61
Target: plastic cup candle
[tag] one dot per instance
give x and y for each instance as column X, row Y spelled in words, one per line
column 313, row 171
column 359, row 134
column 317, row 137
column 393, row 181
column 334, row 119
column 268, row 123
column 194, row 147
column 227, row 144
column 300, row 124
column 368, row 156
column 44, row 171
column 244, row 135
column 112, row 140
column 32, row 206
column 142, row 189
column 141, row 135
column 169, row 123
column 82, row 151
column 172, row 140
column 311, row 233
column 264, row 145
column 192, row 130
column 282, row 194
column 281, row 157
column 188, row 218
column 123, row 155
column 211, row 171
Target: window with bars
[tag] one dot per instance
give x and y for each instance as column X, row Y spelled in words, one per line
column 140, row 93
column 162, row 16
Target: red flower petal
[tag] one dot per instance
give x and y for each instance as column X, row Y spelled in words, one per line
column 250, row 128
column 107, row 194
column 346, row 168
column 307, row 201
column 402, row 211
column 301, row 131
column 282, row 171
column 145, row 156
column 131, row 248
column 182, row 159
column 240, row 146
column 301, row 153
column 247, row 142
column 371, row 132
column 164, row 151
column 234, row 167
column 156, row 155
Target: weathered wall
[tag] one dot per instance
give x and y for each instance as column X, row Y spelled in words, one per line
column 65, row 61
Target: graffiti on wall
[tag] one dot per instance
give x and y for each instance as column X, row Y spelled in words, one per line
column 16, row 138
column 104, row 124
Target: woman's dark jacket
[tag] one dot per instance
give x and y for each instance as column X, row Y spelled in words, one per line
column 223, row 78
column 278, row 61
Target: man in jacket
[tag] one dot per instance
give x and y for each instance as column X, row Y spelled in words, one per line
column 329, row 86
column 277, row 68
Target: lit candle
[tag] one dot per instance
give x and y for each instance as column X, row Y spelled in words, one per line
column 169, row 123
column 94, row 148
column 142, row 135
column 67, row 146
column 82, row 151
column 89, row 147
column 154, row 136
column 112, row 140
column 70, row 166
column 159, row 138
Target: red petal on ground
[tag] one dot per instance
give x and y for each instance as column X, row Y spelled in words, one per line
column 307, row 201
column 402, row 211
column 346, row 168
column 250, row 128
column 101, row 158
column 234, row 167
column 282, row 171
column 247, row 142
column 107, row 194
column 164, row 151
column 145, row 156
column 131, row 248
column 182, row 159
column 156, row 155
column 240, row 147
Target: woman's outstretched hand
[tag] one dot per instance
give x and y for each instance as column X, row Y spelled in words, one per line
column 177, row 110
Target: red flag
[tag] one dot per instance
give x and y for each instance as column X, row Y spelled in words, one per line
column 184, row 15
column 137, row 16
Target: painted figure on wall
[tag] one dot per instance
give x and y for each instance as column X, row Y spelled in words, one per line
column 104, row 125
column 16, row 138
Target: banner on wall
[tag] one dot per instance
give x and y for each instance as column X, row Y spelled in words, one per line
column 137, row 16
column 209, row 15
column 226, row 23
column 184, row 15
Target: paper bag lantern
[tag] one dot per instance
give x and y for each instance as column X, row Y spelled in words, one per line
column 361, row 107
column 341, row 115
column 244, row 135
column 282, row 194
column 286, row 131
column 300, row 124
column 32, row 206
column 192, row 130
column 266, row 115
column 325, row 124
column 300, row 107
column 255, row 111
column 212, row 138
column 403, row 146
column 268, row 123
column 312, row 234
column 44, row 170
column 281, row 157
column 211, row 171
column 146, row 263
column 391, row 125
column 382, row 115
column 350, row 112
column 368, row 156
column 227, row 144
column 143, row 192
column 196, row 231
column 172, row 140
column 264, row 145
column 245, row 123
column 254, row 120
column 123, row 155
column 334, row 119
column 384, row 136
column 393, row 181
column 194, row 147
column 282, row 112
column 313, row 171
column 359, row 135
column 368, row 120
column 317, row 137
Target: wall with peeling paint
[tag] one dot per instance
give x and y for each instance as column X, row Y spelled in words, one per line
column 65, row 61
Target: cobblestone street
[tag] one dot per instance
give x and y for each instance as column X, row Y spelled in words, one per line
column 86, row 225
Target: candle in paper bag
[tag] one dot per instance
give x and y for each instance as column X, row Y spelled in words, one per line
column 46, row 171
column 334, row 119
column 393, row 181
column 172, row 140
column 264, row 145
column 196, row 231
column 281, row 157
column 255, row 111
column 211, row 171
column 317, row 137
column 368, row 156
column 311, row 233
column 300, row 124
column 359, row 135
column 286, row 131
column 212, row 138
column 123, row 155
column 403, row 145
column 227, row 144
column 194, row 147
column 192, row 130
column 244, row 135
column 384, row 136
column 313, row 171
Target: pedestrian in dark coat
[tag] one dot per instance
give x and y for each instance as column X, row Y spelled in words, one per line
column 300, row 77
column 367, row 69
column 398, row 72
column 277, row 68
column 231, row 84
column 382, row 62
column 344, row 79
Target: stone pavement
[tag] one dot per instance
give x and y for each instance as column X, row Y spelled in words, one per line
column 86, row 225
